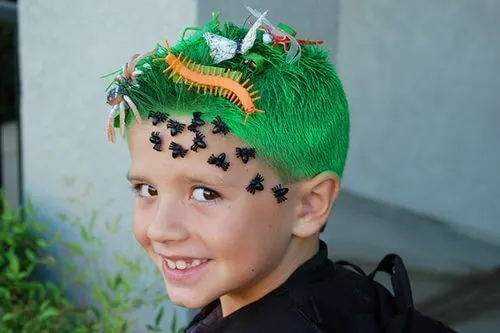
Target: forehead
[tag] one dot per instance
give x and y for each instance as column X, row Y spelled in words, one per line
column 170, row 147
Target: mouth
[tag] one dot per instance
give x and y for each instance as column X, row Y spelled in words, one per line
column 183, row 264
column 183, row 270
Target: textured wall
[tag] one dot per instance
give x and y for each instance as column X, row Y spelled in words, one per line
column 424, row 99
column 65, row 46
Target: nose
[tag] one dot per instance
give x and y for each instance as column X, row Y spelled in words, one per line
column 168, row 224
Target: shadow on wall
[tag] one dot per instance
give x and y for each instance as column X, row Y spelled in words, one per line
column 455, row 278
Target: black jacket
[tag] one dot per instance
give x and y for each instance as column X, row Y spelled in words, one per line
column 319, row 296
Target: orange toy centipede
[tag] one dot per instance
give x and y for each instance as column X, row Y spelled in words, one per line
column 216, row 81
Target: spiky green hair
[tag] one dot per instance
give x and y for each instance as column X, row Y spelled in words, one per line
column 305, row 127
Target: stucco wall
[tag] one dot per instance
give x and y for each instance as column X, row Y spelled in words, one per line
column 421, row 81
column 65, row 46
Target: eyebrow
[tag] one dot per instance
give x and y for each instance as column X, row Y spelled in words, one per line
column 134, row 177
column 203, row 178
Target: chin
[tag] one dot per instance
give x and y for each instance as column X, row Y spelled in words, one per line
column 188, row 299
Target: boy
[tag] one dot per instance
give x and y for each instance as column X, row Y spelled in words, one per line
column 238, row 138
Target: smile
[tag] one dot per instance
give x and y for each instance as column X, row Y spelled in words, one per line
column 182, row 264
column 184, row 270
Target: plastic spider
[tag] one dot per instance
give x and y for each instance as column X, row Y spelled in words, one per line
column 118, row 100
column 256, row 184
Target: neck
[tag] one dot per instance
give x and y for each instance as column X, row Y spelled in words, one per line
column 298, row 252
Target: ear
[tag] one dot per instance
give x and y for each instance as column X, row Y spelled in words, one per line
column 316, row 198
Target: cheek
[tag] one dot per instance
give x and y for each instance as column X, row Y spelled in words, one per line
column 249, row 231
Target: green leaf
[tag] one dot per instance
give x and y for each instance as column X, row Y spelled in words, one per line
column 124, row 327
column 42, row 243
column 75, row 248
column 72, row 200
column 159, row 316
column 134, row 266
column 49, row 261
column 23, row 275
column 151, row 328
column 4, row 293
column 38, row 226
column 48, row 313
column 118, row 280
column 84, row 233
column 173, row 324
column 93, row 219
column 96, row 312
column 103, row 298
column 113, row 226
column 13, row 264
column 30, row 255
column 8, row 316
column 44, row 305
column 70, row 266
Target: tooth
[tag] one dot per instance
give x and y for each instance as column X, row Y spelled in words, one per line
column 171, row 264
column 181, row 264
column 195, row 263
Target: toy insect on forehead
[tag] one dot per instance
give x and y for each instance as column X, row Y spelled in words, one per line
column 196, row 122
column 155, row 139
column 245, row 154
column 256, row 184
column 177, row 150
column 219, row 161
column 158, row 117
column 198, row 142
column 279, row 193
column 176, row 127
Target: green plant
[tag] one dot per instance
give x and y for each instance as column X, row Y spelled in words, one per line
column 30, row 304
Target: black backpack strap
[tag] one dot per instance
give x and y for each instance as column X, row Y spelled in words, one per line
column 393, row 313
column 407, row 319
column 393, row 265
column 351, row 265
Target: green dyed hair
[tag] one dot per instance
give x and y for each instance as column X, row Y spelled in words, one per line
column 305, row 128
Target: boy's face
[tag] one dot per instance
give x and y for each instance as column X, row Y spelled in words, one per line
column 206, row 233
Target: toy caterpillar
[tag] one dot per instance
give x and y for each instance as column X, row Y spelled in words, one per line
column 214, row 79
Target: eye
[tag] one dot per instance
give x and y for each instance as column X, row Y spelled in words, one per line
column 204, row 194
column 145, row 191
